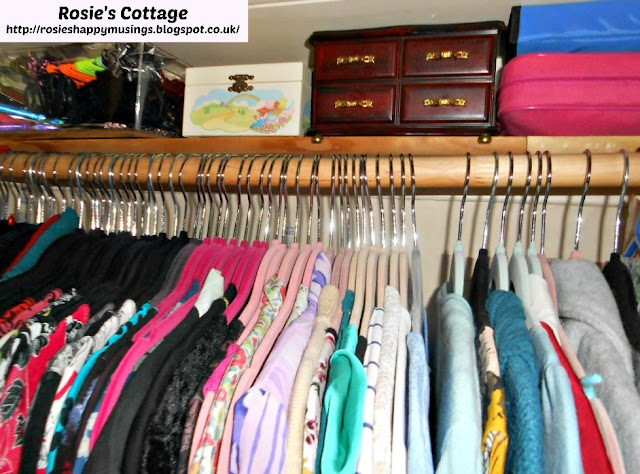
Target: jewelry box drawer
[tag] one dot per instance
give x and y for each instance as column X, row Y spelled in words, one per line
column 354, row 104
column 450, row 55
column 443, row 102
column 357, row 60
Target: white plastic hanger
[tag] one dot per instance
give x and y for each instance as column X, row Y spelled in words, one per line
column 500, row 265
column 518, row 267
column 458, row 261
column 533, row 261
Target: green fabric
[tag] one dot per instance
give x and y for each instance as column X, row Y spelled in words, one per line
column 343, row 409
column 347, row 307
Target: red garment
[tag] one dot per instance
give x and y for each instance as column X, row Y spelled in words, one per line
column 8, row 318
column 19, row 392
column 34, row 238
column 594, row 451
column 17, row 320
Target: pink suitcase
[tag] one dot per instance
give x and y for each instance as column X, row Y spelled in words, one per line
column 570, row 94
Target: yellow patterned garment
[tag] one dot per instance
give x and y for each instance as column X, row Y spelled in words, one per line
column 495, row 439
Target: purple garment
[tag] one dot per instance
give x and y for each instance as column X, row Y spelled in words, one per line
column 261, row 424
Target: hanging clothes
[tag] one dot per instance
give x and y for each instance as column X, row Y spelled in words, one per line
column 458, row 436
column 521, row 375
column 592, row 323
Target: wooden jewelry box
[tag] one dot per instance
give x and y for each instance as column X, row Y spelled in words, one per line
column 406, row 80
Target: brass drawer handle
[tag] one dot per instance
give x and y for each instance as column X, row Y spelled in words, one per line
column 339, row 104
column 460, row 102
column 447, row 55
column 365, row 59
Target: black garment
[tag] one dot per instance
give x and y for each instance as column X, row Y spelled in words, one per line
column 480, row 281
column 37, row 420
column 13, row 241
column 75, row 418
column 108, row 450
column 155, row 441
column 617, row 275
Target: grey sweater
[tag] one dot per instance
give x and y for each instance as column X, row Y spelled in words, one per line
column 590, row 318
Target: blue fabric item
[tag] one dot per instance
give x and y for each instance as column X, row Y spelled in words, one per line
column 82, row 376
column 589, row 383
column 458, row 442
column 521, row 375
column 419, row 458
column 67, row 224
column 600, row 26
column 347, row 307
column 561, row 432
column 343, row 409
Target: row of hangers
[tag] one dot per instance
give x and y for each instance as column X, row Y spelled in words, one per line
column 512, row 274
column 115, row 208
column 362, row 252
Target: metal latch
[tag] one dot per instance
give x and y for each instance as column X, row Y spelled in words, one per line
column 240, row 83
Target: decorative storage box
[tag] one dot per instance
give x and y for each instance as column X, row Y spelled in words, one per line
column 252, row 99
column 406, row 80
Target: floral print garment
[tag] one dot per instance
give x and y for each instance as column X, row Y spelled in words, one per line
column 207, row 453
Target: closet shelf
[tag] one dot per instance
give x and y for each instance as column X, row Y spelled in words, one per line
column 132, row 141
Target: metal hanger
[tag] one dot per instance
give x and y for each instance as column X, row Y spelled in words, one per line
column 585, row 191
column 417, row 306
column 384, row 256
column 499, row 263
column 152, row 207
column 185, row 215
column 547, row 192
column 518, row 268
column 623, row 194
column 262, row 199
column 118, row 200
column 458, row 260
column 163, row 206
column 248, row 222
column 533, row 261
column 236, row 224
column 63, row 198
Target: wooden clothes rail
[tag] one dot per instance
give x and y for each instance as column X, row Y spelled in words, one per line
column 434, row 174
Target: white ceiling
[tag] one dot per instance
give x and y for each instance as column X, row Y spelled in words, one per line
column 278, row 30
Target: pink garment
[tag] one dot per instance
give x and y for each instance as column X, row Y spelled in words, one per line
column 261, row 354
column 21, row 318
column 548, row 276
column 211, row 385
column 154, row 331
column 245, row 283
column 261, row 278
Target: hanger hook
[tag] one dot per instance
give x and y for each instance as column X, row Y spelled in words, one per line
column 534, row 212
column 392, row 188
column 525, row 196
column 465, row 192
column 364, row 183
column 503, row 220
column 357, row 202
column 547, row 192
column 249, row 200
column 403, row 197
column 414, row 223
column 496, row 172
column 623, row 194
column 383, row 233
column 587, row 181
column 262, row 199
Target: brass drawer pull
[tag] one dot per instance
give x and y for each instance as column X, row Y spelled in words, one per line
column 447, row 55
column 460, row 102
column 339, row 104
column 365, row 59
